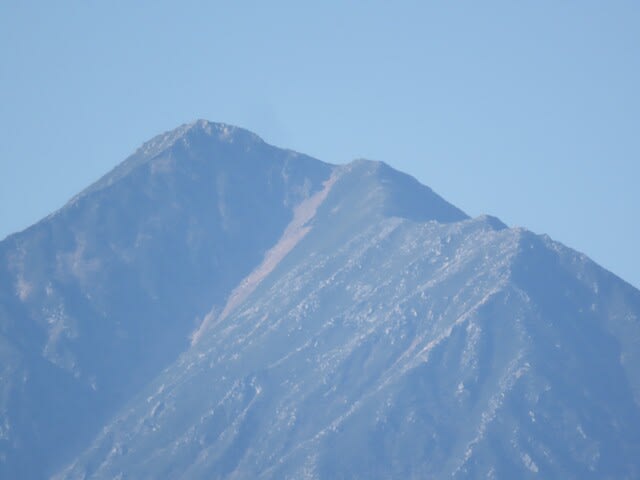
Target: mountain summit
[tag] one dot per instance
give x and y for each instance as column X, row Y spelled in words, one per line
column 216, row 307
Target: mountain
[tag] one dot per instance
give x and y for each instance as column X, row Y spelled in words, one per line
column 216, row 307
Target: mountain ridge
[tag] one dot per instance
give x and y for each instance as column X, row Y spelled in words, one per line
column 336, row 306
column 414, row 356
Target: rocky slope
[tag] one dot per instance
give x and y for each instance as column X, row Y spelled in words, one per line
column 219, row 308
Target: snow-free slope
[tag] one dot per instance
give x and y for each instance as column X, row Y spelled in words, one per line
column 101, row 295
column 403, row 349
column 216, row 307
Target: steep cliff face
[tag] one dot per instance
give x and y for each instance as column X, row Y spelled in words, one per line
column 219, row 308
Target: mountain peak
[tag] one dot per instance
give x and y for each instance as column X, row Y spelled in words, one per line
column 187, row 132
column 194, row 135
column 349, row 323
column 372, row 184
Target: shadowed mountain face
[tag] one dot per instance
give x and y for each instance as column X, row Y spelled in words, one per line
column 216, row 307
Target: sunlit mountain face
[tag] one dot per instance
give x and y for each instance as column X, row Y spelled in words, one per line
column 216, row 307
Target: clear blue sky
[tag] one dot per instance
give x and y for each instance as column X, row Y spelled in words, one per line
column 529, row 111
